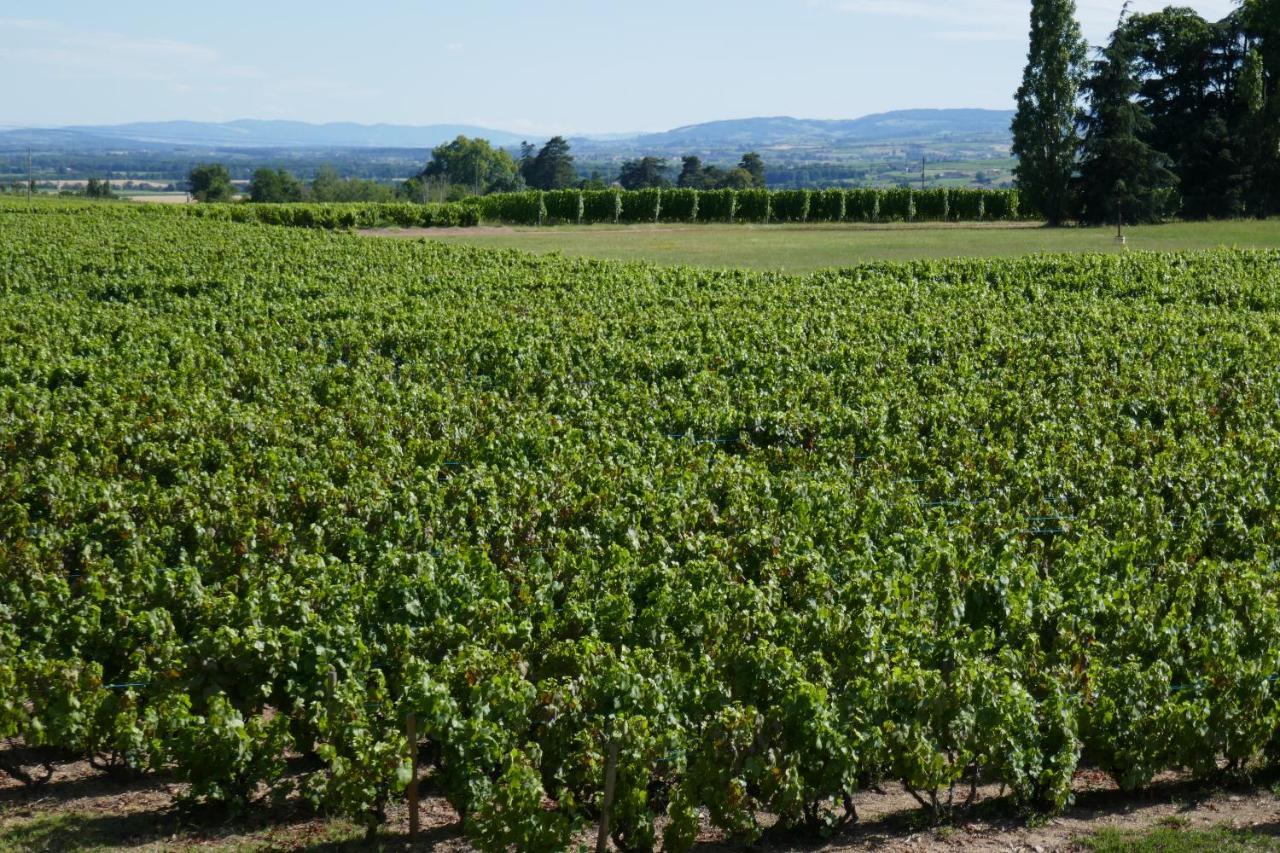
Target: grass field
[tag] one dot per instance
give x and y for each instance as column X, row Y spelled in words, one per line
column 803, row 248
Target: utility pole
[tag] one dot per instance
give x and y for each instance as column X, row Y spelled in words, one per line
column 922, row 173
column 29, row 180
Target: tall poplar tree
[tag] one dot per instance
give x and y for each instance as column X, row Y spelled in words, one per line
column 1262, row 19
column 1044, row 129
column 1251, row 101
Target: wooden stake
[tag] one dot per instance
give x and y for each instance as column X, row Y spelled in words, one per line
column 411, row 733
column 610, row 782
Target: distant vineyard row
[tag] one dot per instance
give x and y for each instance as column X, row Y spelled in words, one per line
column 332, row 216
column 592, row 207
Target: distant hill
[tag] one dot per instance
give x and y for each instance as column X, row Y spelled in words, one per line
column 738, row 134
column 902, row 125
column 249, row 133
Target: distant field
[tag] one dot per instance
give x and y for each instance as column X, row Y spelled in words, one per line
column 802, row 248
column 158, row 197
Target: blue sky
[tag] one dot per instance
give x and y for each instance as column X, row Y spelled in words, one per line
column 536, row 66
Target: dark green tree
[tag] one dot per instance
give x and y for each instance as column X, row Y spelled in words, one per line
column 737, row 179
column 714, row 178
column 274, row 186
column 211, row 182
column 645, row 173
column 1186, row 66
column 474, row 164
column 753, row 165
column 329, row 186
column 1261, row 21
column 552, row 167
column 1251, row 105
column 1044, row 129
column 1120, row 174
column 528, row 152
column 691, row 174
column 98, row 189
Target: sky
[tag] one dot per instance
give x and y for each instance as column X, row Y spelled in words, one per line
column 527, row 66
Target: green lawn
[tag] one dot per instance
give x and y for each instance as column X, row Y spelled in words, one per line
column 801, row 248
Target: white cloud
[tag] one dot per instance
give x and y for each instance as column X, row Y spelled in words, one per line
column 143, row 67
column 69, row 53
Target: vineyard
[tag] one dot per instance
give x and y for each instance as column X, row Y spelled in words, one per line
column 595, row 207
column 267, row 493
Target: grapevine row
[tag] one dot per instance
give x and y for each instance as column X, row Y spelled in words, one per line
column 592, row 207
column 267, row 492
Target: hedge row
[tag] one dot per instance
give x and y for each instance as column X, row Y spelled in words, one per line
column 338, row 216
column 303, row 215
column 588, row 207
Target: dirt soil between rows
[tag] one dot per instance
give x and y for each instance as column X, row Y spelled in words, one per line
column 142, row 814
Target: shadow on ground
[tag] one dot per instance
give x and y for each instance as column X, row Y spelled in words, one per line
column 83, row 808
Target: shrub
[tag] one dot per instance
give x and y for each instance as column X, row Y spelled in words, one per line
column 827, row 206
column 931, row 205
column 754, row 206
column 602, row 206
column 862, row 205
column 717, row 205
column 641, row 205
column 564, row 207
column 897, row 205
column 680, row 205
column 790, row 205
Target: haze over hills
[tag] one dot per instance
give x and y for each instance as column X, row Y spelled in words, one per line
column 876, row 150
column 253, row 133
column 901, row 126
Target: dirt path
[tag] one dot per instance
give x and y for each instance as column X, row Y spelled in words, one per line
column 80, row 806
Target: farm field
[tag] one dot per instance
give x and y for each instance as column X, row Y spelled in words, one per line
column 806, row 248
column 964, row 530
column 158, row 198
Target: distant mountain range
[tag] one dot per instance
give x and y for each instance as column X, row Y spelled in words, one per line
column 741, row 134
column 251, row 133
column 902, row 125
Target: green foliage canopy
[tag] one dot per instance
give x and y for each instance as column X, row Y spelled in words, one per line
column 775, row 539
column 474, row 164
column 275, row 186
column 210, row 182
column 1120, row 174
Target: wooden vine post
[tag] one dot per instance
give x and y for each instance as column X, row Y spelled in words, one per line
column 411, row 734
column 606, row 806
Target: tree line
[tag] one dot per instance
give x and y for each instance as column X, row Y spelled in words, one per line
column 467, row 167
column 474, row 167
column 1174, row 116
column 211, row 182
